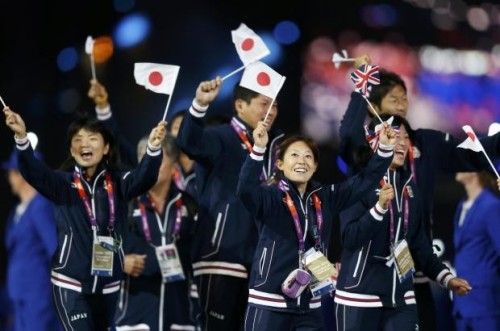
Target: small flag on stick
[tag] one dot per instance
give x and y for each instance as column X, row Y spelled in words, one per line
column 159, row 78
column 472, row 142
column 337, row 58
column 249, row 46
column 364, row 78
column 262, row 79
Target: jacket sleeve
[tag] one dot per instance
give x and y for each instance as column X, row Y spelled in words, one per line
column 144, row 176
column 48, row 182
column 356, row 187
column 360, row 223
column 249, row 190
column 128, row 152
column 452, row 159
column 351, row 130
column 198, row 142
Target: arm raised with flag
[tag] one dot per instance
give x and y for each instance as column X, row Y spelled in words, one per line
column 206, row 92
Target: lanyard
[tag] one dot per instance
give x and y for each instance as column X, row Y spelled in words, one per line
column 296, row 220
column 144, row 218
column 178, row 178
column 108, row 184
column 242, row 134
column 405, row 199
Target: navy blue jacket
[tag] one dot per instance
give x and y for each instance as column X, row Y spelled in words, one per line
column 71, row 265
column 226, row 235
column 435, row 153
column 364, row 279
column 277, row 251
column 141, row 296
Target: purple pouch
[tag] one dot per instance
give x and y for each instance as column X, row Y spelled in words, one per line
column 295, row 283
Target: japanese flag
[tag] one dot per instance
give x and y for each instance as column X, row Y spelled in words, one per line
column 249, row 45
column 159, row 78
column 262, row 79
column 472, row 142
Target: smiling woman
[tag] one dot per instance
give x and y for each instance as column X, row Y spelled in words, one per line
column 296, row 214
column 91, row 196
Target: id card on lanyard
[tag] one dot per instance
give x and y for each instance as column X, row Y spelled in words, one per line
column 102, row 258
column 170, row 263
column 404, row 264
column 167, row 255
column 103, row 247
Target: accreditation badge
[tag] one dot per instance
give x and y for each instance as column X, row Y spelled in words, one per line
column 170, row 263
column 102, row 257
column 318, row 265
column 325, row 274
column 405, row 266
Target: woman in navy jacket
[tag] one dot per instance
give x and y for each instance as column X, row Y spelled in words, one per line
column 375, row 289
column 90, row 197
column 294, row 216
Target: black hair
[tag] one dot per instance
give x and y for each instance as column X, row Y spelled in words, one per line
column 243, row 93
column 285, row 144
column 112, row 159
column 388, row 80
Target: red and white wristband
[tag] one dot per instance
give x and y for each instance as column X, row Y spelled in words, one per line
column 196, row 110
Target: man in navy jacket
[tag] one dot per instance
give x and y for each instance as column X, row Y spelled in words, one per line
column 431, row 153
column 226, row 236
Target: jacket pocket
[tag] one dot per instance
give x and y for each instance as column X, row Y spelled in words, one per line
column 357, row 266
column 218, row 231
column 65, row 249
column 265, row 258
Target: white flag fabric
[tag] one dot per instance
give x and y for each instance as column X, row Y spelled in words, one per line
column 493, row 129
column 262, row 79
column 249, row 45
column 89, row 45
column 159, row 78
column 472, row 142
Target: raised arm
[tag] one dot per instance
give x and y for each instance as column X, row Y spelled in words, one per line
column 193, row 138
column 351, row 126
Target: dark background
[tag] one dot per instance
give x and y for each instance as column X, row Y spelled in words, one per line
column 196, row 36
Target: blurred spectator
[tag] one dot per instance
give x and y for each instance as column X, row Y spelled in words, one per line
column 31, row 241
column 477, row 252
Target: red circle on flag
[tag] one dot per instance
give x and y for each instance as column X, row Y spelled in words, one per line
column 471, row 136
column 155, row 78
column 247, row 44
column 263, row 79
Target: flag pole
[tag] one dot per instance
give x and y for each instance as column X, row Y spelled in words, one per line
column 168, row 104
column 372, row 109
column 491, row 164
column 166, row 108
column 92, row 65
column 233, row 72
column 272, row 102
column 3, row 103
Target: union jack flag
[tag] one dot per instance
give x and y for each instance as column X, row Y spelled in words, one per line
column 365, row 77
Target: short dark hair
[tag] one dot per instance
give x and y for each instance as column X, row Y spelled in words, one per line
column 243, row 93
column 91, row 124
column 388, row 80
